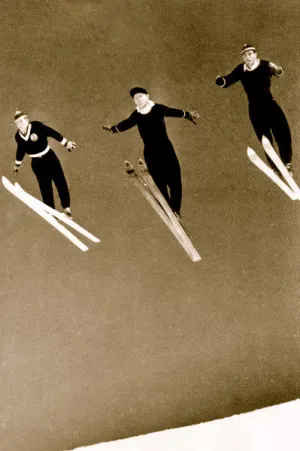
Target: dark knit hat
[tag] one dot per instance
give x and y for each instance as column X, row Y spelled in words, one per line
column 247, row 47
column 137, row 90
column 19, row 114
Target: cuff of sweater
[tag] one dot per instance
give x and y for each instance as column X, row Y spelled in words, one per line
column 114, row 129
column 64, row 142
column 220, row 81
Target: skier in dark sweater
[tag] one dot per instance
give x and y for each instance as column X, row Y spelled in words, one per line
column 159, row 153
column 265, row 114
column 32, row 139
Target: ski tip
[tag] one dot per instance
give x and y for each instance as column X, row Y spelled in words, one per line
column 265, row 140
column 5, row 182
column 142, row 165
column 128, row 167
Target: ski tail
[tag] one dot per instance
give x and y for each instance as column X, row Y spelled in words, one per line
column 150, row 192
column 260, row 164
column 270, row 151
column 61, row 216
column 44, row 214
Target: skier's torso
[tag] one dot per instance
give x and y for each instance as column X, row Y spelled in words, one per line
column 152, row 129
column 36, row 138
column 257, row 82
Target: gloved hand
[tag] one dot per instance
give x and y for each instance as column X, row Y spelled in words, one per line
column 277, row 69
column 108, row 128
column 192, row 115
column 16, row 169
column 71, row 146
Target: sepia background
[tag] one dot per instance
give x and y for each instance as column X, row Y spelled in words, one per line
column 132, row 337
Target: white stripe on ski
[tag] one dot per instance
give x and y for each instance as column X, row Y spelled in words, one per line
column 140, row 184
column 255, row 159
column 47, row 216
column 269, row 149
column 160, row 198
column 61, row 216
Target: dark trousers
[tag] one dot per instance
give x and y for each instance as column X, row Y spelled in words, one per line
column 269, row 120
column 167, row 177
column 47, row 169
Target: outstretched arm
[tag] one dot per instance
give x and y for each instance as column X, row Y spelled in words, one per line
column 121, row 126
column 227, row 80
column 51, row 133
column 20, row 154
column 174, row 112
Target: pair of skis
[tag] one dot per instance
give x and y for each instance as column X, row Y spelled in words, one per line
column 289, row 186
column 145, row 184
column 52, row 216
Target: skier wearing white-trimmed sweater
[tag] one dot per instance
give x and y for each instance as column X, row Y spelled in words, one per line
column 266, row 115
column 32, row 139
column 159, row 153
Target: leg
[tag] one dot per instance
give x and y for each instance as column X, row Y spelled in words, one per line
column 60, row 182
column 45, row 181
column 161, row 184
column 282, row 133
column 259, row 117
column 175, row 186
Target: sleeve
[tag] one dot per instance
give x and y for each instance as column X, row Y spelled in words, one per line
column 51, row 133
column 20, row 154
column 125, row 125
column 227, row 80
column 174, row 112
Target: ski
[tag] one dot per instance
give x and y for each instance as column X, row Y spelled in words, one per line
column 257, row 161
column 58, row 215
column 156, row 193
column 269, row 149
column 151, row 194
column 44, row 214
column 167, row 209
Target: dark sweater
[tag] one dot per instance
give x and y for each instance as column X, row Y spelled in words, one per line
column 256, row 83
column 152, row 126
column 35, row 140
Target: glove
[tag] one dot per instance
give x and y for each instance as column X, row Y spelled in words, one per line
column 192, row 115
column 71, row 146
column 220, row 81
column 108, row 128
column 277, row 69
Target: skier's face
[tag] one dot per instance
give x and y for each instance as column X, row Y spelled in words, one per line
column 141, row 99
column 22, row 124
column 249, row 57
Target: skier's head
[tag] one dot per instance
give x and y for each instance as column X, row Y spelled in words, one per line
column 140, row 96
column 21, row 121
column 249, row 55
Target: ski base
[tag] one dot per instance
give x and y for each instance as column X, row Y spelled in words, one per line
column 258, row 162
column 50, row 215
column 269, row 149
column 149, row 190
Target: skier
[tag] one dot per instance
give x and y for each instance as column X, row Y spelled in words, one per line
column 266, row 116
column 159, row 153
column 32, row 138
